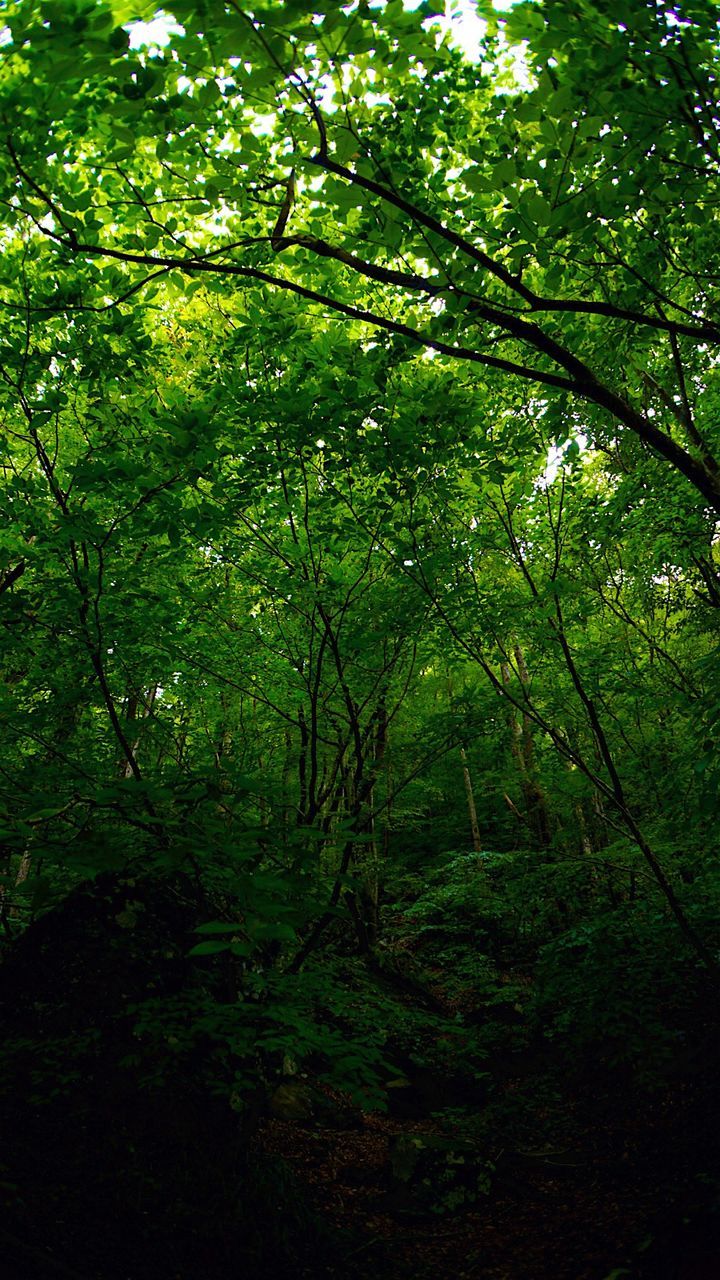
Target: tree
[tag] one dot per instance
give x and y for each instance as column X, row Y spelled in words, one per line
column 275, row 151
column 359, row 589
column 226, row 257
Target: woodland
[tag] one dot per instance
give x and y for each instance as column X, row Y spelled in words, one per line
column 359, row 602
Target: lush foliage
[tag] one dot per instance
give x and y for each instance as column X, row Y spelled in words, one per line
column 360, row 483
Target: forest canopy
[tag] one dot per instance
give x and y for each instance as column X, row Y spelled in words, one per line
column 361, row 476
column 332, row 359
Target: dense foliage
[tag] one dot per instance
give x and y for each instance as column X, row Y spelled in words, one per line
column 359, row 576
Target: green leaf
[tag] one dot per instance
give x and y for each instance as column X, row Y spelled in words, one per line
column 218, row 926
column 209, row 948
column 536, row 209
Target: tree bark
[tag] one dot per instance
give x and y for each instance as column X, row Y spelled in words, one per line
column 472, row 811
column 523, row 752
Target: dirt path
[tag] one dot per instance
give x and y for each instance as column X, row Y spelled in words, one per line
column 548, row 1215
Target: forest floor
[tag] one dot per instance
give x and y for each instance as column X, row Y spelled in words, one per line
column 585, row 1182
column 565, row 1214
column 591, row 1207
column 543, row 1165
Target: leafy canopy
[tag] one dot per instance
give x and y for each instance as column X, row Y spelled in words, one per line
column 560, row 234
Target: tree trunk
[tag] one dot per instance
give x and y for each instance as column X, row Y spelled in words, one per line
column 523, row 752
column 474, row 828
column 137, row 708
